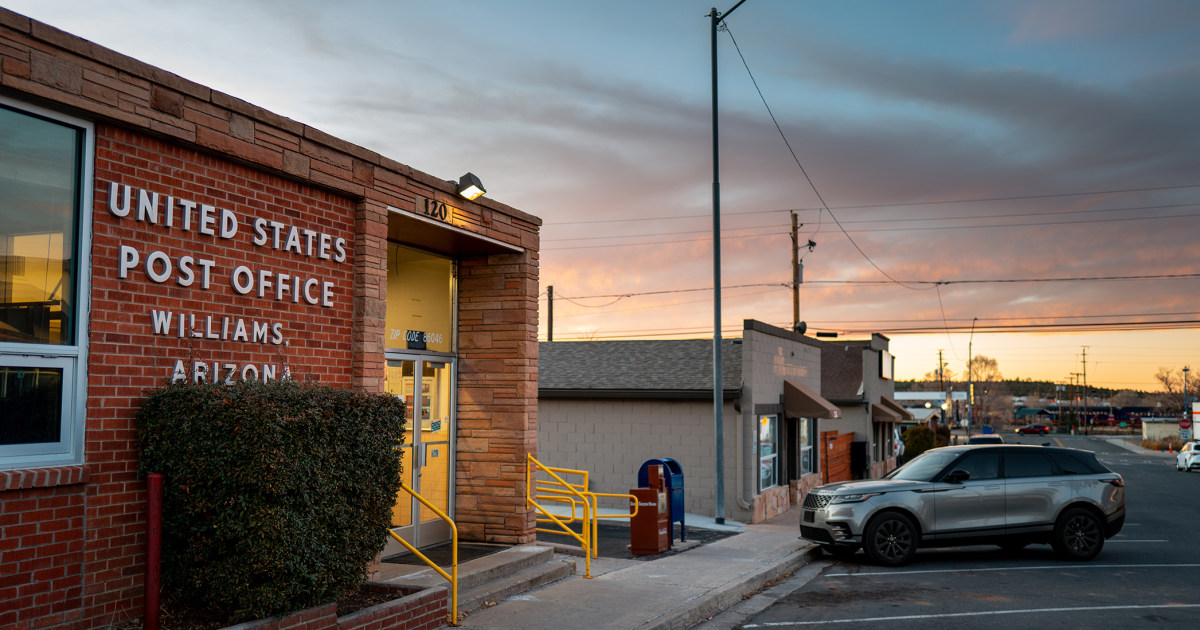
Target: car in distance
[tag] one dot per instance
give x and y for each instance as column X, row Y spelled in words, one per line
column 1188, row 457
column 990, row 438
column 1033, row 429
column 1010, row 495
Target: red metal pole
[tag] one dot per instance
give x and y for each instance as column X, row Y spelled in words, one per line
column 154, row 484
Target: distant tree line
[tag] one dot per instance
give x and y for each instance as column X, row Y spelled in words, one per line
column 994, row 394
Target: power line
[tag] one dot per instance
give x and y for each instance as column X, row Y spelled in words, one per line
column 1167, row 276
column 1006, row 329
column 920, row 219
column 1075, row 327
column 998, row 319
column 901, row 205
column 883, row 229
column 877, row 282
column 804, row 172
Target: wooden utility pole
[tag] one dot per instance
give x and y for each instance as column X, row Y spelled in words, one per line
column 550, row 317
column 795, row 273
column 1085, row 387
column 942, row 387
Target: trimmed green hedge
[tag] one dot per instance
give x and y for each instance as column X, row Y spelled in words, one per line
column 277, row 494
column 917, row 440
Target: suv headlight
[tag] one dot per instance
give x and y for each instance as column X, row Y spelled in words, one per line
column 854, row 498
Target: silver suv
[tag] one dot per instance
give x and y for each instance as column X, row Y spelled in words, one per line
column 1008, row 495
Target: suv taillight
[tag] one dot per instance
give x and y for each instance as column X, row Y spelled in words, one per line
column 1116, row 483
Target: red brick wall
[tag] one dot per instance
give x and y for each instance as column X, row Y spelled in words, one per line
column 835, row 448
column 419, row 610
column 160, row 132
column 127, row 358
column 41, row 545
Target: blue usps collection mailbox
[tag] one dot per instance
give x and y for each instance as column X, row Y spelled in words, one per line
column 674, row 480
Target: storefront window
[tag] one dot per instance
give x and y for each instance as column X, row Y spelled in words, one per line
column 806, row 446
column 41, row 195
column 768, row 452
column 420, row 300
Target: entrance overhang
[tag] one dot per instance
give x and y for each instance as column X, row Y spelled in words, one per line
column 802, row 402
column 409, row 228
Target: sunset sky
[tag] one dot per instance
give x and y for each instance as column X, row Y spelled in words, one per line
column 1022, row 163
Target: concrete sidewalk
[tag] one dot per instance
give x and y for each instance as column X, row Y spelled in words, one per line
column 673, row 592
column 1134, row 445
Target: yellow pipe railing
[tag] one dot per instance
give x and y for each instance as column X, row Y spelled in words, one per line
column 453, row 575
column 575, row 495
column 532, row 483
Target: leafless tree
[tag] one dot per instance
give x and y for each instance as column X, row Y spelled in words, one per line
column 1171, row 381
column 992, row 402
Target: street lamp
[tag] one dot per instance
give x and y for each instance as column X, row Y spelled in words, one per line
column 1186, row 412
column 718, row 398
column 971, row 378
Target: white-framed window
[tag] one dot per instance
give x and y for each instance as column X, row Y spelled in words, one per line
column 45, row 237
column 768, row 452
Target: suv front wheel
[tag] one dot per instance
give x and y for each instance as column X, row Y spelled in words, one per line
column 890, row 539
column 1078, row 535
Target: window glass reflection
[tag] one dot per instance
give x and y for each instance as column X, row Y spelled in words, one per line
column 30, row 405
column 39, row 166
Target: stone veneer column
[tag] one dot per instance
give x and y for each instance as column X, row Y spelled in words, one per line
column 370, row 296
column 497, row 396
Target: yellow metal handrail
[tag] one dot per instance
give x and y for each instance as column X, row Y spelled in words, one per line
column 453, row 575
column 575, row 495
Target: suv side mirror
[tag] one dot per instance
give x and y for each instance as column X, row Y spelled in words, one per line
column 957, row 476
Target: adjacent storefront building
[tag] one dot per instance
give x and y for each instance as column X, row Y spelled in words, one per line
column 608, row 406
column 152, row 229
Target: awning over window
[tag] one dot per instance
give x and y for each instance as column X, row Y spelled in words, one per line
column 880, row 413
column 802, row 402
column 905, row 415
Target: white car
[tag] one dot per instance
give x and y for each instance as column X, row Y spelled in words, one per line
column 1189, row 456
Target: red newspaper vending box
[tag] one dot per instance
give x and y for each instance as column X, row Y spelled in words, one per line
column 650, row 530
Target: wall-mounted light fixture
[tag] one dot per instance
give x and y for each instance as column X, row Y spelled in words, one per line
column 470, row 187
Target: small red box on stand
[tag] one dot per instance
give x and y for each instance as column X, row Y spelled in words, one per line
column 650, row 530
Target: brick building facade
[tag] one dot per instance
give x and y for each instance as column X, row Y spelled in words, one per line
column 193, row 235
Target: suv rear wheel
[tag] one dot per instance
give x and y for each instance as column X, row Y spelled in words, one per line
column 1078, row 535
column 890, row 539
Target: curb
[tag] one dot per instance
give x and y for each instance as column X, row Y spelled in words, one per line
column 716, row 601
column 1133, row 448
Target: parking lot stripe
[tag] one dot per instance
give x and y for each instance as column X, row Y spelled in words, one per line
column 1031, row 611
column 1051, row 567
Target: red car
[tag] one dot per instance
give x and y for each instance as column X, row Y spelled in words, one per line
column 1034, row 429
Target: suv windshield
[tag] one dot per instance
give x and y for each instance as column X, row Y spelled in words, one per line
column 924, row 467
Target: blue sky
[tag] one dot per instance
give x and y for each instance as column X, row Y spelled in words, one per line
column 952, row 140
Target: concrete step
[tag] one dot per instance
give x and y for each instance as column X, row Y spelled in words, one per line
column 489, row 578
column 524, row 580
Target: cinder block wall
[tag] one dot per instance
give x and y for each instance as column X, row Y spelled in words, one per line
column 612, row 438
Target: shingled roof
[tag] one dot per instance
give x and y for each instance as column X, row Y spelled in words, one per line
column 842, row 370
column 672, row 367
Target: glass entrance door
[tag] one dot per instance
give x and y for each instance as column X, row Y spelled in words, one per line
column 426, row 385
